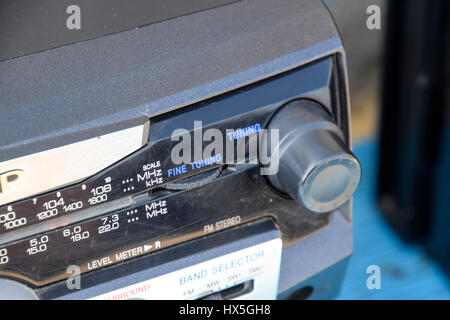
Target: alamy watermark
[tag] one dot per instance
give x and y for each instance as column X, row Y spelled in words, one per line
column 251, row 145
column 373, row 21
column 74, row 280
column 374, row 280
column 73, row 21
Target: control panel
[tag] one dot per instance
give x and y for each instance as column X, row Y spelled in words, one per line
column 274, row 152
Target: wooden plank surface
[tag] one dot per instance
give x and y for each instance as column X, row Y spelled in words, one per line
column 406, row 271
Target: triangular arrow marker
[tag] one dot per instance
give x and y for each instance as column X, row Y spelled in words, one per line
column 147, row 247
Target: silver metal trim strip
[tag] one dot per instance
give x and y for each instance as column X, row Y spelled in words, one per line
column 47, row 170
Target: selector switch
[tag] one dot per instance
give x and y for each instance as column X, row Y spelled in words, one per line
column 315, row 165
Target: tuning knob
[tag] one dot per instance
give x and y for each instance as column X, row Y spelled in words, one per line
column 315, row 165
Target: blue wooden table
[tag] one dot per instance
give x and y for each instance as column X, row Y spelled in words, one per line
column 405, row 270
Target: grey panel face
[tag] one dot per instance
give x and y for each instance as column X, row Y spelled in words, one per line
column 150, row 70
column 29, row 27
